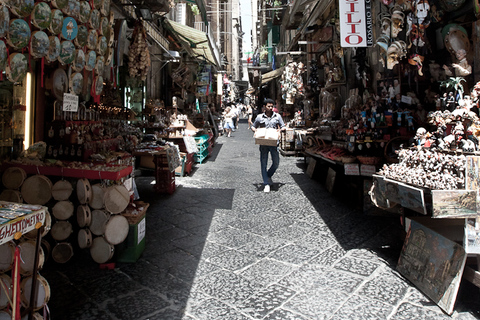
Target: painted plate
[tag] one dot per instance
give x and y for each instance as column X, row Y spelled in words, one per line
column 60, row 4
column 17, row 67
column 18, row 34
column 22, row 8
column 41, row 15
column 57, row 22
column 67, row 52
column 79, row 61
column 60, row 83
column 100, row 65
column 81, row 39
column 74, row 8
column 109, row 56
column 104, row 25
column 98, row 85
column 76, row 83
column 94, row 21
column 3, row 55
column 92, row 39
column 4, row 20
column 39, row 44
column 105, row 8
column 91, row 60
column 69, row 28
column 85, row 10
column 53, row 49
column 102, row 46
column 97, row 4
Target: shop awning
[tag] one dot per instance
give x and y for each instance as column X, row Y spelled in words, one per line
column 194, row 41
column 272, row 75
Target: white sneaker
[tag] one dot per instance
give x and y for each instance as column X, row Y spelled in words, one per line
column 267, row 188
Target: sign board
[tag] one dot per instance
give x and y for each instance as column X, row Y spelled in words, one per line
column 70, row 102
column 351, row 169
column 367, row 170
column 356, row 23
column 16, row 218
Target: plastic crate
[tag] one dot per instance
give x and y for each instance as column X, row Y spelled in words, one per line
column 200, row 157
column 164, row 181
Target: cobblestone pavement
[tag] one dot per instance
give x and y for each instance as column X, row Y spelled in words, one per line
column 221, row 248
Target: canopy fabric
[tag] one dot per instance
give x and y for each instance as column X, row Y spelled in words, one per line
column 272, row 75
column 192, row 40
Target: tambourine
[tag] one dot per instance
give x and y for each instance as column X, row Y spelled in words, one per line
column 79, row 61
column 84, row 216
column 4, row 20
column 7, row 255
column 63, row 210
column 110, row 36
column 67, row 52
column 39, row 44
column 104, row 25
column 84, row 238
column 94, row 20
column 111, row 18
column 13, row 177
column 37, row 189
column 62, row 190
column 82, row 37
column 41, row 16
column 27, row 257
column 84, row 191
column 53, row 49
column 116, row 198
column 105, row 7
column 97, row 4
column 17, row 67
column 116, row 229
column 62, row 252
column 109, row 56
column 18, row 34
column 90, row 60
column 74, row 8
column 76, row 83
column 5, row 296
column 61, row 230
column 98, row 194
column 102, row 46
column 98, row 85
column 85, row 11
column 3, row 55
column 57, row 22
column 99, row 221
column 60, row 4
column 42, row 295
column 101, row 251
column 92, row 39
column 100, row 64
column 60, row 83
column 11, row 196
column 22, row 8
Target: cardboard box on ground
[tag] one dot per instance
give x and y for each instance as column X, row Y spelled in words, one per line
column 266, row 136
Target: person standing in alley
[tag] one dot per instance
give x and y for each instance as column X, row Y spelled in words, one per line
column 268, row 119
column 228, row 121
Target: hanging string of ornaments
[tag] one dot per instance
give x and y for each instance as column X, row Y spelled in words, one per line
column 138, row 54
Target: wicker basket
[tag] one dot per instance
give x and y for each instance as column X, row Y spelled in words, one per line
column 369, row 160
column 349, row 159
column 135, row 218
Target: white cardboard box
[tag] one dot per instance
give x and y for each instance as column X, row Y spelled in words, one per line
column 266, row 136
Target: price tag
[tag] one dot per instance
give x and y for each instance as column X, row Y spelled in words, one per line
column 141, row 230
column 70, row 102
column 406, row 99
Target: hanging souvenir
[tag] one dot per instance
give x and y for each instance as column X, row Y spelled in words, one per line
column 60, row 4
column 41, row 15
column 67, row 52
column 121, row 44
column 69, row 28
column 109, row 56
column 76, row 83
column 90, row 60
column 97, row 4
column 4, row 20
column 92, row 39
column 98, row 85
column 18, row 34
column 3, row 55
column 39, row 44
column 82, row 35
column 60, row 83
column 17, row 67
column 57, row 22
column 94, row 21
column 86, row 87
column 79, row 61
column 99, row 65
column 102, row 46
column 110, row 36
column 22, row 8
column 53, row 49
column 85, row 10
column 105, row 7
column 104, row 25
column 111, row 18
column 74, row 8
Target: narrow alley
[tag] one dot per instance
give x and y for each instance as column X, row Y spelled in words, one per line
column 221, row 248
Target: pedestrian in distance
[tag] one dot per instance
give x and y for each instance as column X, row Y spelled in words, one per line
column 228, row 121
column 268, row 119
column 249, row 116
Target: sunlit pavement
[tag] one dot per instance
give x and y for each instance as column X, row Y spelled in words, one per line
column 221, row 248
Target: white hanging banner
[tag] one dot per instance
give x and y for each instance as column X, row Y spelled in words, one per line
column 356, row 23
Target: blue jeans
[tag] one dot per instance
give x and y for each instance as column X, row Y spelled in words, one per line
column 264, row 150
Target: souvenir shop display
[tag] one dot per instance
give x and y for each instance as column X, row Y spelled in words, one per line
column 138, row 54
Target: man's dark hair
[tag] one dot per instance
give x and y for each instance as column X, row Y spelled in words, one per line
column 267, row 101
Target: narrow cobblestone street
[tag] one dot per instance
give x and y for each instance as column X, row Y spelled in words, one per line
column 221, row 248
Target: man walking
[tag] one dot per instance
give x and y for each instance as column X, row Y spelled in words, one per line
column 268, row 119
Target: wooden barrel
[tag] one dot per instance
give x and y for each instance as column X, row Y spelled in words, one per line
column 37, row 189
column 84, row 191
column 11, row 196
column 63, row 210
column 101, row 251
column 13, row 177
column 116, row 198
column 62, row 190
column 98, row 194
column 116, row 229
